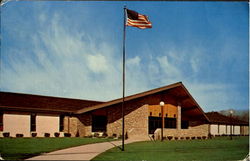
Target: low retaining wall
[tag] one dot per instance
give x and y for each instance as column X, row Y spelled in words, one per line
column 196, row 131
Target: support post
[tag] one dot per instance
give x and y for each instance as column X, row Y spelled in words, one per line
column 178, row 116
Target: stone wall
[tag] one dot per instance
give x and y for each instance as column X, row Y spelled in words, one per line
column 195, row 131
column 84, row 124
column 136, row 121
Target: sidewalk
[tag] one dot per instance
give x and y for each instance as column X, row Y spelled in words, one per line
column 84, row 152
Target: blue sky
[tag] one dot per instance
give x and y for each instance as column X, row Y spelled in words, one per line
column 74, row 49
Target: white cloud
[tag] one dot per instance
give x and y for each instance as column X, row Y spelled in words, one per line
column 97, row 63
column 169, row 71
column 134, row 61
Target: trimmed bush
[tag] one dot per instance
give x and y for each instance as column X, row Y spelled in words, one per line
column 67, row 134
column 193, row 138
column 176, row 138
column 182, row 138
column 47, row 134
column 120, row 137
column 126, row 135
column 89, row 136
column 210, row 136
column 203, row 137
column 56, row 134
column 104, row 135
column 169, row 137
column 187, row 138
column 6, row 134
column 34, row 134
column 77, row 134
column 199, row 137
column 19, row 135
column 110, row 137
column 96, row 134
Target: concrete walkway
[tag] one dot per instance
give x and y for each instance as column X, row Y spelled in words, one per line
column 83, row 152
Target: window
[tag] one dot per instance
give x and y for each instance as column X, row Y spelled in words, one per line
column 150, row 114
column 166, row 115
column 174, row 115
column 160, row 114
column 1, row 121
column 154, row 123
column 170, row 123
column 99, row 123
column 33, row 122
column 61, row 121
column 184, row 124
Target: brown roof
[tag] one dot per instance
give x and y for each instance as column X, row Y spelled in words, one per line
column 28, row 102
column 177, row 90
column 218, row 118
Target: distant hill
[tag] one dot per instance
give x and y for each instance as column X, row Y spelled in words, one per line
column 238, row 114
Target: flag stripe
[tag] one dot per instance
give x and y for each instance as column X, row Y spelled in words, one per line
column 138, row 22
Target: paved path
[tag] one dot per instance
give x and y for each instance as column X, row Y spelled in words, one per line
column 83, row 152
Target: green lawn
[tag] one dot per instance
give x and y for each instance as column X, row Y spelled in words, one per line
column 22, row 148
column 216, row 149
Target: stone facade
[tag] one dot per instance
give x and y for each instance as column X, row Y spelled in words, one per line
column 84, row 124
column 136, row 122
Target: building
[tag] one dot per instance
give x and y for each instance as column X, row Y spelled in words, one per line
column 182, row 116
column 221, row 125
column 26, row 114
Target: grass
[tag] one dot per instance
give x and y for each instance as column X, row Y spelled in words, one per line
column 217, row 149
column 22, row 148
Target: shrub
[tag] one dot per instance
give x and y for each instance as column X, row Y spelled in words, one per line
column 120, row 137
column 193, row 138
column 114, row 135
column 182, row 138
column 47, row 134
column 56, row 134
column 6, row 134
column 96, row 134
column 126, row 135
column 169, row 137
column 199, row 137
column 77, row 134
column 204, row 137
column 34, row 134
column 110, row 137
column 210, row 136
column 176, row 138
column 67, row 134
column 104, row 135
column 19, row 135
column 89, row 136
column 187, row 138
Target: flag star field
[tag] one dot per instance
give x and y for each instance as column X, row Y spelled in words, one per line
column 74, row 49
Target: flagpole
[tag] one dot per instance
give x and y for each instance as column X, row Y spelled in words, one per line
column 123, row 76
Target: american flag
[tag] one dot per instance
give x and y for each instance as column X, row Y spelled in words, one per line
column 135, row 19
